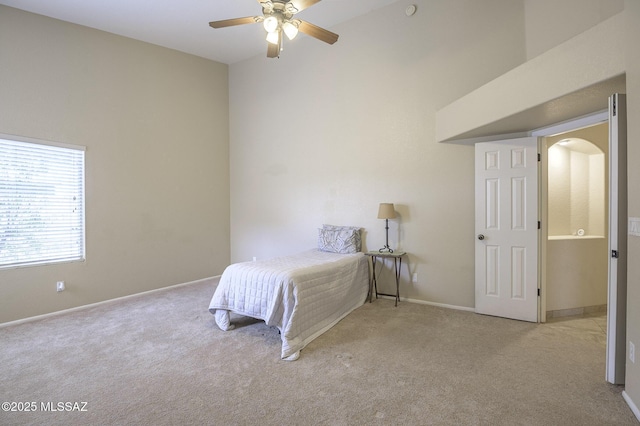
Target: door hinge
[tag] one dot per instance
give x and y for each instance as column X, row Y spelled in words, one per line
column 539, row 156
column 613, row 106
column 539, row 225
column 615, row 254
column 538, row 292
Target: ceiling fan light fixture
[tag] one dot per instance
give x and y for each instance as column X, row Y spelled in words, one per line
column 270, row 24
column 290, row 29
column 278, row 18
column 273, row 37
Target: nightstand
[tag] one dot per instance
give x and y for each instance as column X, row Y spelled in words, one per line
column 397, row 265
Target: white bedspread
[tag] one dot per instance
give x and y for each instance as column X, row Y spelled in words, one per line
column 303, row 295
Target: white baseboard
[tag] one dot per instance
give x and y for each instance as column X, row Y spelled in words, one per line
column 425, row 302
column 104, row 302
column 632, row 405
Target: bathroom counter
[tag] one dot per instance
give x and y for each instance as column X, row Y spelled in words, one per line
column 575, row 237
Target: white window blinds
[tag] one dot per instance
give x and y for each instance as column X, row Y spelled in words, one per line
column 41, row 203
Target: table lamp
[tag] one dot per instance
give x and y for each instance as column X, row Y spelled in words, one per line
column 386, row 212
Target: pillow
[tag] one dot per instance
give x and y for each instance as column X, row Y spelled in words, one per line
column 325, row 226
column 339, row 239
column 356, row 230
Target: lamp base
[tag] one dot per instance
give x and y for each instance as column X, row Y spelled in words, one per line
column 386, row 248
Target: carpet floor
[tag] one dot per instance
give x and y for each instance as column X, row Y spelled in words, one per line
column 160, row 359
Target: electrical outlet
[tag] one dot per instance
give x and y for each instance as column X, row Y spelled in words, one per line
column 632, row 352
column 60, row 286
column 634, row 226
column 255, row 258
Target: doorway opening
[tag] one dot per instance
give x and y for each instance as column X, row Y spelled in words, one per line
column 614, row 233
column 492, row 271
column 577, row 209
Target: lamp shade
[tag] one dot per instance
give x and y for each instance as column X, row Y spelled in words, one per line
column 270, row 24
column 386, row 211
column 290, row 29
column 273, row 37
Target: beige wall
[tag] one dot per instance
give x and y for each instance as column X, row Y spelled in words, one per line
column 155, row 125
column 576, row 273
column 551, row 22
column 325, row 133
column 576, row 192
column 578, row 182
column 632, row 12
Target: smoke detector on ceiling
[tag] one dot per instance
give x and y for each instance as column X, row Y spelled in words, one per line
column 410, row 10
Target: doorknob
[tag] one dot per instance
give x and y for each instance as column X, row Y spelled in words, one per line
column 480, row 237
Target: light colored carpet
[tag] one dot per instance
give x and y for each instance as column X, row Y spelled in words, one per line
column 160, row 359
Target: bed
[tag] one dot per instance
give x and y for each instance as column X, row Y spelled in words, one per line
column 303, row 295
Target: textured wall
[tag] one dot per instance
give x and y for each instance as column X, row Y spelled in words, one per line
column 155, row 125
column 325, row 133
column 576, row 273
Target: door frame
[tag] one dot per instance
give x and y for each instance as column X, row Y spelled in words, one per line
column 617, row 242
column 543, row 133
column 581, row 122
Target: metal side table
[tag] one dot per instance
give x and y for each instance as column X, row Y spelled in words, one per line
column 397, row 264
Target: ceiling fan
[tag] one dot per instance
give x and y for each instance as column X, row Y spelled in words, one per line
column 278, row 18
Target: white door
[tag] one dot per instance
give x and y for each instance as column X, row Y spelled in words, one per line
column 506, row 251
column 617, row 303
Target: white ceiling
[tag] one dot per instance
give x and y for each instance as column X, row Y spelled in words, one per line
column 184, row 24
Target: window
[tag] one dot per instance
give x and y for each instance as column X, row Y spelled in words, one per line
column 41, row 203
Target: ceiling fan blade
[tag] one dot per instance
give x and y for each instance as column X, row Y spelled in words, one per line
column 317, row 32
column 235, row 21
column 272, row 50
column 302, row 4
